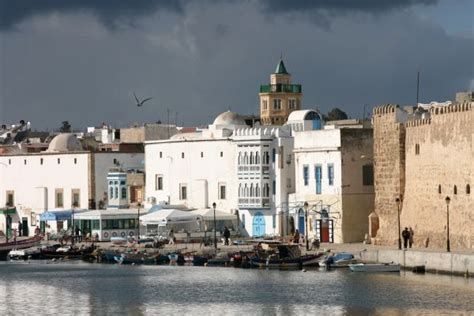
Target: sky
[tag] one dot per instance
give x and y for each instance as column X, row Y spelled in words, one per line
column 82, row 60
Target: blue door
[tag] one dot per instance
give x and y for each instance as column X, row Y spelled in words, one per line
column 318, row 177
column 258, row 225
column 301, row 222
column 316, row 124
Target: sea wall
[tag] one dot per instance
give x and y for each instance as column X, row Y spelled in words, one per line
column 437, row 262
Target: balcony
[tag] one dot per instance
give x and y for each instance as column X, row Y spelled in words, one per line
column 254, row 202
column 285, row 88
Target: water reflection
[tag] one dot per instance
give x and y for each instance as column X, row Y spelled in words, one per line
column 79, row 288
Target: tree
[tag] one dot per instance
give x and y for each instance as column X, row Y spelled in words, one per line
column 66, row 127
column 335, row 114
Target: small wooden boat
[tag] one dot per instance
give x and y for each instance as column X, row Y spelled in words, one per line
column 283, row 257
column 6, row 247
column 340, row 260
column 375, row 267
column 220, row 260
column 137, row 258
column 25, row 254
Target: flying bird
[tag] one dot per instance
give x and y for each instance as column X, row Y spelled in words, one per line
column 140, row 103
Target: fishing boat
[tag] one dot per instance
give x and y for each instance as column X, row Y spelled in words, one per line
column 6, row 247
column 340, row 260
column 25, row 254
column 375, row 267
column 283, row 256
column 139, row 258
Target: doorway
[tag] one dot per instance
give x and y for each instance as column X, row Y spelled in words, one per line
column 24, row 226
column 325, row 230
column 258, row 227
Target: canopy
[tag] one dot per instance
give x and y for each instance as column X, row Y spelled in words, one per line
column 169, row 216
column 8, row 210
column 62, row 215
column 208, row 215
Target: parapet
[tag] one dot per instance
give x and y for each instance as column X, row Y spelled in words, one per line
column 414, row 123
column 452, row 108
column 385, row 109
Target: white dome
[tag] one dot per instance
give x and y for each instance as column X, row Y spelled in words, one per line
column 229, row 118
column 64, row 143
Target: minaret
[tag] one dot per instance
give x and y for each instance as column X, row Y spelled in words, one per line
column 279, row 98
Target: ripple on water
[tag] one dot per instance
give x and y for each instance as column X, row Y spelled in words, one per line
column 79, row 288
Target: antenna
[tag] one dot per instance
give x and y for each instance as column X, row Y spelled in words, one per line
column 417, row 87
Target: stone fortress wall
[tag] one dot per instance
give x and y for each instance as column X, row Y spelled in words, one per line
column 424, row 160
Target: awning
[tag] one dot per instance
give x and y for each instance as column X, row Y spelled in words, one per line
column 63, row 215
column 8, row 210
column 169, row 216
column 208, row 215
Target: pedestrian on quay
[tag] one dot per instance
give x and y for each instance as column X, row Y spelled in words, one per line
column 296, row 237
column 406, row 237
column 226, row 235
column 20, row 230
column 410, row 239
column 171, row 237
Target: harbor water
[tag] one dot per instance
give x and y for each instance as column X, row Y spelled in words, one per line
column 80, row 288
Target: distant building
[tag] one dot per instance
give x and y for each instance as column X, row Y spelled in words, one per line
column 279, row 98
column 334, row 176
column 63, row 176
column 421, row 159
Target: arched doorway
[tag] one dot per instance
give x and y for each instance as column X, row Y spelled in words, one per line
column 301, row 221
column 258, row 225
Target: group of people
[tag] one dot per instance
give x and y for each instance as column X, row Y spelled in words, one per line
column 407, row 236
column 172, row 238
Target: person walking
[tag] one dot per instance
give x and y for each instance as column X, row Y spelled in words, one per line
column 410, row 238
column 20, row 229
column 405, row 236
column 226, row 235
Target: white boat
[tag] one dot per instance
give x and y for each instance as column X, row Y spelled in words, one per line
column 118, row 240
column 375, row 267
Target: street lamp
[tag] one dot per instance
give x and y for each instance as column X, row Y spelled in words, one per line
column 306, row 224
column 397, row 200
column 73, row 228
column 448, row 246
column 138, row 223
column 215, row 237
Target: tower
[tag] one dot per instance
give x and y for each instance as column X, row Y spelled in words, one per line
column 279, row 98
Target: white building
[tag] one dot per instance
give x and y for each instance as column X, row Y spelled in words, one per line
column 243, row 170
column 334, row 176
column 63, row 176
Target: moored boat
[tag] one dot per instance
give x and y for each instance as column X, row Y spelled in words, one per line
column 375, row 267
column 282, row 256
column 340, row 260
column 6, row 247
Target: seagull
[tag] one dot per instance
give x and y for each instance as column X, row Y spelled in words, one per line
column 140, row 103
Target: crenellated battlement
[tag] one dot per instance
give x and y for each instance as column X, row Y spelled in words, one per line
column 452, row 108
column 385, row 109
column 420, row 122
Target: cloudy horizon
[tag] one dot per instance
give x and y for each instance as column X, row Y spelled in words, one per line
column 82, row 60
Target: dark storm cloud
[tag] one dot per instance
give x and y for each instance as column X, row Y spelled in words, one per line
column 109, row 12
column 335, row 6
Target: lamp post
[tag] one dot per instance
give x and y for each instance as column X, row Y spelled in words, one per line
column 138, row 223
column 306, row 224
column 73, row 228
column 215, row 229
column 397, row 200
column 448, row 246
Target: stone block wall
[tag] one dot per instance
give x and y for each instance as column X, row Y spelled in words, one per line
column 389, row 170
column 440, row 163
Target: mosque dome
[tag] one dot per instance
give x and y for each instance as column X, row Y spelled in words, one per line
column 229, row 118
column 64, row 142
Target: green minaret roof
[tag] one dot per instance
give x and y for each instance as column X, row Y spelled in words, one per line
column 281, row 69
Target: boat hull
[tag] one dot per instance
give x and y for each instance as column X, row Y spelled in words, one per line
column 5, row 248
column 376, row 267
column 303, row 261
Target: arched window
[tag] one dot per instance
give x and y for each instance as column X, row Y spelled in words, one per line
column 116, row 192
column 455, row 190
column 468, row 189
column 246, row 191
column 240, row 190
column 257, row 158
column 257, row 191
column 439, row 189
column 111, row 193
column 246, row 159
column 239, row 159
column 251, row 158
column 251, row 191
